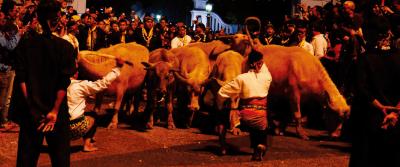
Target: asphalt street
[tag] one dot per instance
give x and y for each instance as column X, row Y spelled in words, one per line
column 189, row 147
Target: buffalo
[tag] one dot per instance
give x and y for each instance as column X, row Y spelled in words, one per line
column 93, row 65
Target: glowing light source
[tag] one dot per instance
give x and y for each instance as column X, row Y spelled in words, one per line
column 209, row 8
column 158, row 17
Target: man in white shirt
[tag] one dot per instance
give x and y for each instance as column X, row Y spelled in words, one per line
column 182, row 39
column 302, row 43
column 252, row 89
column 319, row 42
column 84, row 125
column 72, row 30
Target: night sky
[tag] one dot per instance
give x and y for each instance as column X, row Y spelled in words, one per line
column 232, row 11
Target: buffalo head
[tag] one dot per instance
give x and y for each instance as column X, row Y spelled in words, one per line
column 160, row 73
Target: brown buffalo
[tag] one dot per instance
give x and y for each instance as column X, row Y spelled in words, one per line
column 160, row 83
column 227, row 66
column 93, row 65
column 211, row 49
column 295, row 74
column 194, row 71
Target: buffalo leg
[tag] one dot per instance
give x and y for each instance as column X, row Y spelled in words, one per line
column 295, row 107
column 221, row 130
column 170, row 109
column 114, row 121
column 137, row 97
column 98, row 101
column 150, row 108
column 338, row 131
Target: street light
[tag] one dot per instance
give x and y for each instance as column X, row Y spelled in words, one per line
column 158, row 17
column 208, row 9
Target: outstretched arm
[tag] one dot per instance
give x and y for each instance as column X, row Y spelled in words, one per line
column 90, row 88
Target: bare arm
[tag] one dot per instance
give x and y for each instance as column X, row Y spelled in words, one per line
column 385, row 108
column 51, row 117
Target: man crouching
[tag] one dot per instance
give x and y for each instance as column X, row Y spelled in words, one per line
column 252, row 90
column 83, row 124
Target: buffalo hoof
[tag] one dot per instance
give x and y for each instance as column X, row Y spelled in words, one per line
column 171, row 126
column 112, row 125
column 236, row 131
column 335, row 135
column 149, row 126
column 278, row 132
column 302, row 134
column 222, row 151
column 187, row 126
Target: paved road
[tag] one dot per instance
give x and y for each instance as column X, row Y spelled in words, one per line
column 189, row 147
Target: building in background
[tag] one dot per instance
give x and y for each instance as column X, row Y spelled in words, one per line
column 203, row 13
column 79, row 5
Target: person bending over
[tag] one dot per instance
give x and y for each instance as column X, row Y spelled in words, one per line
column 83, row 124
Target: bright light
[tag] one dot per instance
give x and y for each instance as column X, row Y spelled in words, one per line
column 158, row 17
column 209, row 7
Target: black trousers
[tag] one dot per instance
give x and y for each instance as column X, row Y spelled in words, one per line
column 257, row 137
column 30, row 143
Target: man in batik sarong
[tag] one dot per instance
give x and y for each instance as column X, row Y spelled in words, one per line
column 252, row 90
column 82, row 123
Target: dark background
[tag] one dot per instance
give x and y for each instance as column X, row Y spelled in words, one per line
column 232, row 11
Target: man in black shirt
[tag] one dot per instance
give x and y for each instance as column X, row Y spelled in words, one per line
column 148, row 36
column 377, row 97
column 269, row 37
column 43, row 68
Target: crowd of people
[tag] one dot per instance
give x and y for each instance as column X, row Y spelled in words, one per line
column 336, row 34
column 357, row 45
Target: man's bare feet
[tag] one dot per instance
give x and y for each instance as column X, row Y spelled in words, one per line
column 89, row 148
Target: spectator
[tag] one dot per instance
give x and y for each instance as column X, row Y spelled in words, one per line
column 61, row 29
column 9, row 8
column 182, row 39
column 288, row 35
column 43, row 111
column 200, row 35
column 9, row 38
column 72, row 30
column 64, row 6
column 147, row 36
column 301, row 39
column 96, row 37
column 377, row 95
column 125, row 37
column 269, row 37
column 71, row 11
column 221, row 32
column 115, row 36
column 318, row 42
column 83, row 31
